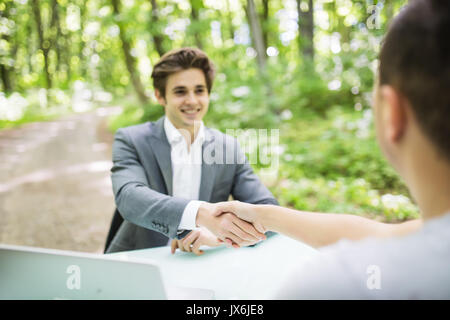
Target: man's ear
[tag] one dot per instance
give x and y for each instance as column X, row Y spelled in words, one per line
column 394, row 113
column 160, row 98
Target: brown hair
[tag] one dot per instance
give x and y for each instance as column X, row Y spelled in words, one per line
column 178, row 60
column 415, row 59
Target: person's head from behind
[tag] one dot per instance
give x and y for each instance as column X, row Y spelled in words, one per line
column 412, row 94
column 182, row 80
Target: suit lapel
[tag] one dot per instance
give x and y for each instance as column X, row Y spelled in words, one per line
column 208, row 171
column 161, row 149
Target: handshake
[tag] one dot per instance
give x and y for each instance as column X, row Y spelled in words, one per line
column 233, row 223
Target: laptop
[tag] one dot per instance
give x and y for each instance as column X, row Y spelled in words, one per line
column 35, row 273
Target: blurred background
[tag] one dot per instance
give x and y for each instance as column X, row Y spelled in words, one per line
column 72, row 72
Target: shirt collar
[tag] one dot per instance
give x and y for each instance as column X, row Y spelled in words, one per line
column 174, row 136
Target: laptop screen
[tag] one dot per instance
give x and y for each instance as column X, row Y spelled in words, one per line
column 34, row 273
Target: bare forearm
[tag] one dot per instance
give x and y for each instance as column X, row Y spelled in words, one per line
column 320, row 229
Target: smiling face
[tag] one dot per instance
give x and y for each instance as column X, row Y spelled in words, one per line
column 187, row 98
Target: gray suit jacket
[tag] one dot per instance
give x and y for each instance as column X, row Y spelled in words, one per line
column 142, row 183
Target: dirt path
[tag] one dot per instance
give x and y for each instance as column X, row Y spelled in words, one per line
column 55, row 188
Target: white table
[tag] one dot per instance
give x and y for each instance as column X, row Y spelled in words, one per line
column 244, row 273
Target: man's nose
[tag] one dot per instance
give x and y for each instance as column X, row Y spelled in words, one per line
column 190, row 98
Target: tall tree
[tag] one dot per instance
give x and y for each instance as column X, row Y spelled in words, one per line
column 63, row 43
column 130, row 61
column 306, row 30
column 81, row 43
column 195, row 6
column 257, row 35
column 258, row 42
column 55, row 29
column 26, row 38
column 338, row 22
column 6, row 77
column 5, row 68
column 154, row 27
column 230, row 20
column 44, row 44
column 265, row 22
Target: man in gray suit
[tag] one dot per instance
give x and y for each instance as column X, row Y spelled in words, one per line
column 167, row 173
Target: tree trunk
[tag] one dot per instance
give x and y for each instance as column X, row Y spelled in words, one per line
column 258, row 42
column 65, row 48
column 83, row 67
column 154, row 22
column 306, row 30
column 230, row 20
column 6, row 79
column 257, row 35
column 5, row 73
column 130, row 61
column 55, row 28
column 44, row 44
column 195, row 5
column 30, row 45
column 265, row 22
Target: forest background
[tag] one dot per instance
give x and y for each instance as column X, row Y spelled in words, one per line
column 305, row 68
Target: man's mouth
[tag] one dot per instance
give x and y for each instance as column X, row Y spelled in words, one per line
column 190, row 111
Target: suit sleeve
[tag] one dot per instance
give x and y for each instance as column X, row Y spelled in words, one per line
column 136, row 201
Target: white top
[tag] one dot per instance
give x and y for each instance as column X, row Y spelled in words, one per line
column 186, row 171
column 416, row 266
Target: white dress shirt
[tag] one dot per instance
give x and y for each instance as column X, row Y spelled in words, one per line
column 186, row 171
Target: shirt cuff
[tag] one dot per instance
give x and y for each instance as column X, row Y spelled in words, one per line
column 189, row 216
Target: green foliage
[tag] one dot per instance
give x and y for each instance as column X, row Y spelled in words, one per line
column 330, row 160
column 134, row 113
column 335, row 165
column 344, row 195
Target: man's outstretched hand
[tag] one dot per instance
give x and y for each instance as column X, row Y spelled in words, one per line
column 227, row 226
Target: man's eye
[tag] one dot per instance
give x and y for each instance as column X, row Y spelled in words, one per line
column 200, row 90
column 179, row 92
